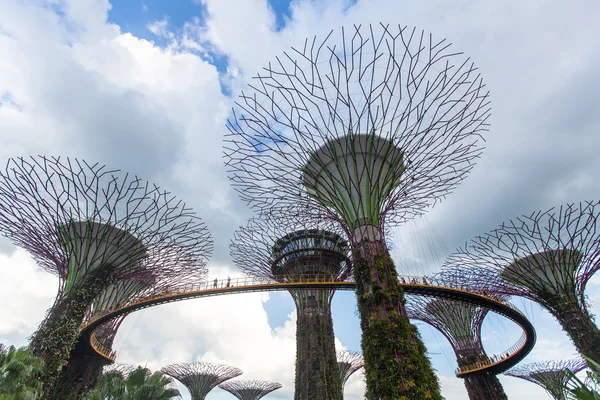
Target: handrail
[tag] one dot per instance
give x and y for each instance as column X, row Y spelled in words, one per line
column 412, row 284
column 102, row 349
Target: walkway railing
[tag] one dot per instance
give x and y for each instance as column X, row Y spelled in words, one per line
column 244, row 284
column 102, row 349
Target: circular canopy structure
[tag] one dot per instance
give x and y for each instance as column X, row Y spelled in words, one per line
column 348, row 363
column 371, row 123
column 200, row 378
column 93, row 227
column 551, row 375
column 73, row 217
column 250, row 390
column 547, row 257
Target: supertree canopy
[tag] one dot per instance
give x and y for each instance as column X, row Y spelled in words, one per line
column 92, row 228
column 250, row 390
column 348, row 363
column 547, row 257
column 551, row 375
column 369, row 127
column 460, row 323
column 201, row 378
column 288, row 250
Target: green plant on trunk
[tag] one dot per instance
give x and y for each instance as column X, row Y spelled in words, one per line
column 396, row 364
column 59, row 332
column 20, row 373
column 317, row 373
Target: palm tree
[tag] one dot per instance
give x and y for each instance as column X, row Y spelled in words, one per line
column 140, row 384
column 20, row 373
column 589, row 389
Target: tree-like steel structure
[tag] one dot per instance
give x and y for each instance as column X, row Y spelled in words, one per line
column 84, row 369
column 200, row 378
column 93, row 228
column 250, row 390
column 551, row 375
column 370, row 129
column 460, row 323
column 288, row 250
column 547, row 257
column 348, row 363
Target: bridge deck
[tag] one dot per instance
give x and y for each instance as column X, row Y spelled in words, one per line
column 412, row 285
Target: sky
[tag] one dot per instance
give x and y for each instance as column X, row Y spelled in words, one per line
column 146, row 86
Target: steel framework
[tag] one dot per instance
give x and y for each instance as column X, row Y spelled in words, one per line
column 291, row 252
column 460, row 323
column 369, row 128
column 92, row 227
column 348, row 363
column 547, row 257
column 250, row 390
column 200, row 378
column 551, row 375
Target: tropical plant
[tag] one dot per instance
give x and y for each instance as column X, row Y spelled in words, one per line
column 20, row 373
column 140, row 384
column 588, row 389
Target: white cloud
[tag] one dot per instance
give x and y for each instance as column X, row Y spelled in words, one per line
column 76, row 85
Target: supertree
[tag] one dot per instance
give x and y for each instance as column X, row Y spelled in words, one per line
column 370, row 129
column 547, row 257
column 460, row 323
column 250, row 390
column 348, row 363
column 287, row 250
column 551, row 375
column 200, row 378
column 92, row 228
column 84, row 369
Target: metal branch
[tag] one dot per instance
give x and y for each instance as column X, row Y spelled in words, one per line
column 349, row 362
column 201, row 378
column 551, row 375
column 425, row 105
column 250, row 390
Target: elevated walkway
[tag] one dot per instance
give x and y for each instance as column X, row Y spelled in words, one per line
column 412, row 285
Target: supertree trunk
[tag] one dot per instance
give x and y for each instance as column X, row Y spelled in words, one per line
column 81, row 375
column 484, row 387
column 580, row 327
column 59, row 332
column 317, row 373
column 392, row 347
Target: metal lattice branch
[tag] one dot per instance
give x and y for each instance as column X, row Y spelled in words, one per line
column 292, row 249
column 250, row 390
column 458, row 321
column 546, row 256
column 551, row 375
column 49, row 206
column 123, row 369
column 371, row 93
column 349, row 362
column 200, row 378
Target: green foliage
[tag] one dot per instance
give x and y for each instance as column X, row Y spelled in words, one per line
column 576, row 389
column 396, row 364
column 20, row 373
column 59, row 332
column 140, row 384
column 317, row 371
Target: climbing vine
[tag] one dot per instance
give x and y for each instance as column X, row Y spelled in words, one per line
column 317, row 373
column 58, row 334
column 396, row 364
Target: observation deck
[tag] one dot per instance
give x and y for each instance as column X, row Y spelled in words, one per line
column 412, row 285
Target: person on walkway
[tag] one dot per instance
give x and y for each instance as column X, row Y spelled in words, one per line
column 215, row 283
column 228, row 281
